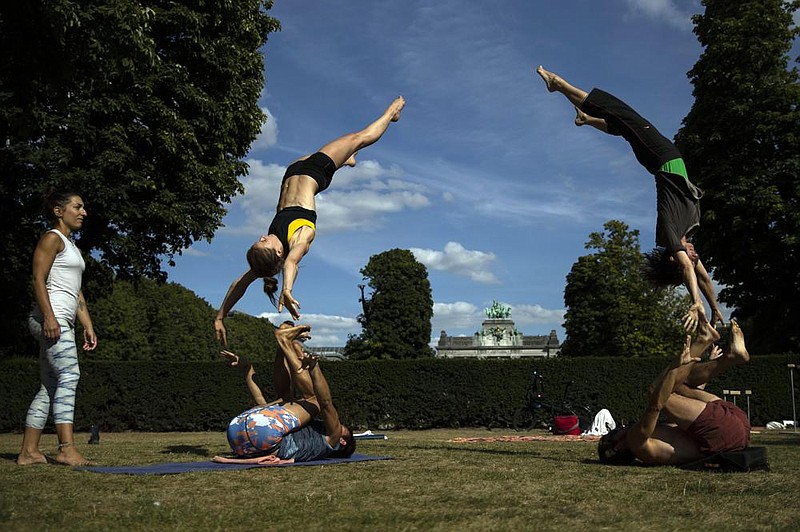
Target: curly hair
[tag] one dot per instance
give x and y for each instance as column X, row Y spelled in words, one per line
column 265, row 263
column 660, row 270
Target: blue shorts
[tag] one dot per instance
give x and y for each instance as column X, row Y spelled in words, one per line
column 259, row 430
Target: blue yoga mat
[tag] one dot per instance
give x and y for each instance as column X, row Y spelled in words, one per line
column 173, row 468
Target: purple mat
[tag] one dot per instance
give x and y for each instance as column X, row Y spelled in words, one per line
column 172, row 468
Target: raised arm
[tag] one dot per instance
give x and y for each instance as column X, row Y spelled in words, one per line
column 707, row 288
column 235, row 361
column 296, row 254
column 697, row 312
column 234, row 294
column 639, row 437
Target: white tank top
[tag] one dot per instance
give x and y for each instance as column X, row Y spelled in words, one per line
column 64, row 281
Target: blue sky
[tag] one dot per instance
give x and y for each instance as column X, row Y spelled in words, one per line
column 485, row 178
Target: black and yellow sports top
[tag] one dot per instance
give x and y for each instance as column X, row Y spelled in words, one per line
column 288, row 221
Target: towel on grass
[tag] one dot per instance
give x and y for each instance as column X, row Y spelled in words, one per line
column 544, row 437
column 172, row 468
column 369, row 435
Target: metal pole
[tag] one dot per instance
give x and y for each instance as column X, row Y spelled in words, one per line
column 791, row 380
column 748, row 393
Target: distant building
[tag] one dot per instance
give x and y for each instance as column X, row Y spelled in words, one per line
column 498, row 338
column 326, row 353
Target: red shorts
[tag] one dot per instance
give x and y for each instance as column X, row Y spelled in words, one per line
column 720, row 427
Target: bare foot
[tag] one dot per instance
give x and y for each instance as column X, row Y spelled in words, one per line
column 707, row 333
column 581, row 118
column 736, row 347
column 69, row 455
column 550, row 80
column 26, row 458
column 395, row 108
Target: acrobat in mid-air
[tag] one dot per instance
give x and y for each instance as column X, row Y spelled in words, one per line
column 292, row 231
column 674, row 260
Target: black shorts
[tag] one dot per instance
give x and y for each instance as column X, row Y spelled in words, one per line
column 318, row 167
column 651, row 148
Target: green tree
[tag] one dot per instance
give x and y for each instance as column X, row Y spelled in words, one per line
column 397, row 315
column 147, row 320
column 611, row 309
column 145, row 108
column 741, row 143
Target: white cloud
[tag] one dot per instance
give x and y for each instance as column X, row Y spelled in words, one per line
column 531, row 314
column 326, row 330
column 261, row 190
column 356, row 200
column 460, row 261
column 458, row 315
column 466, row 316
column 662, row 10
column 193, row 252
column 268, row 136
column 363, row 208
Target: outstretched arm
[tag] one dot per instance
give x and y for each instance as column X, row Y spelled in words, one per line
column 697, row 312
column 234, row 294
column 296, row 254
column 707, row 288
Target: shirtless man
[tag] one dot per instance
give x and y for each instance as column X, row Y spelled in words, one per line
column 702, row 423
column 286, row 430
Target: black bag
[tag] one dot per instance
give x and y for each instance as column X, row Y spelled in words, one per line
column 750, row 459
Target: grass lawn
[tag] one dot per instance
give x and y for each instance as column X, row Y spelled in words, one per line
column 431, row 484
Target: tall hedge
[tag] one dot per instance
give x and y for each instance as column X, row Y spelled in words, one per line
column 385, row 394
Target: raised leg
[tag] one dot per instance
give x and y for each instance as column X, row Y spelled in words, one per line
column 293, row 355
column 733, row 355
column 556, row 83
column 582, row 119
column 705, row 337
column 342, row 151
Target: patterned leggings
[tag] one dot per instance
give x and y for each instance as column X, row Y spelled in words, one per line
column 58, row 367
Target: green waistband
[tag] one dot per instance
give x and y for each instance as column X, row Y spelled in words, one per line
column 675, row 166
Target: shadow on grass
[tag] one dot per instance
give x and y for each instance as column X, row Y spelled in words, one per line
column 186, row 449
column 537, row 454
column 9, row 456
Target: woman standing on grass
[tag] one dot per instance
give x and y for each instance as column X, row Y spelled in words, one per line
column 293, row 229
column 57, row 274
